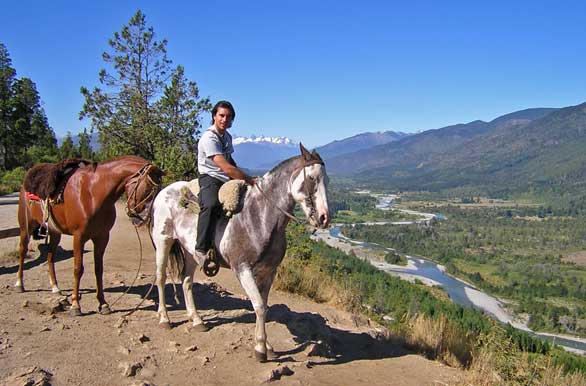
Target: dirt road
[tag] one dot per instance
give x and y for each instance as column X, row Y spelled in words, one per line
column 320, row 344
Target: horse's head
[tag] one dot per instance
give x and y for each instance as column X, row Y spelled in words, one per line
column 309, row 187
column 141, row 189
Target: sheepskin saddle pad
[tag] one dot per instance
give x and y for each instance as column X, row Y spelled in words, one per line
column 47, row 180
column 231, row 196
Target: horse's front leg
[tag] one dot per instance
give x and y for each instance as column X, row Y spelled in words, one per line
column 100, row 244
column 162, row 248
column 25, row 224
column 54, row 239
column 249, row 285
column 190, row 266
column 22, row 250
column 78, row 243
column 264, row 289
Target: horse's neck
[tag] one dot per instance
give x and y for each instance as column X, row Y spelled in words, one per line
column 116, row 178
column 265, row 208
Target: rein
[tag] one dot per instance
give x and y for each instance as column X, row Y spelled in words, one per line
column 291, row 216
column 137, row 179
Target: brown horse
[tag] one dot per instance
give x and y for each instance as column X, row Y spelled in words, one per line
column 87, row 211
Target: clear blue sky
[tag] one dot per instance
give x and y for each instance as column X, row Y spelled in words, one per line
column 317, row 71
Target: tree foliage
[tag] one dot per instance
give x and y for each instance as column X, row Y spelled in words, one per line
column 25, row 134
column 84, row 147
column 145, row 107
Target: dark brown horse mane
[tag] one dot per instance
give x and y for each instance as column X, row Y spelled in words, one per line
column 46, row 180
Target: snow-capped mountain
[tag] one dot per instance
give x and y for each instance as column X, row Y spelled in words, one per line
column 261, row 152
column 262, row 139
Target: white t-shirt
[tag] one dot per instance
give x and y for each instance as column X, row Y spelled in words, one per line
column 210, row 144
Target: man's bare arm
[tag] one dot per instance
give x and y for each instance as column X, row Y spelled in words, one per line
column 232, row 171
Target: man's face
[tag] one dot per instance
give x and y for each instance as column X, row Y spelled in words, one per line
column 223, row 119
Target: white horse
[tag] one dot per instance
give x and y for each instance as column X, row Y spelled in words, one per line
column 252, row 243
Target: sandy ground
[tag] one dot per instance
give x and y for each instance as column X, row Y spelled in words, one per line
column 40, row 344
column 578, row 258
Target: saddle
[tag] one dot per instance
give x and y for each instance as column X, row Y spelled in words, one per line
column 47, row 180
column 230, row 195
column 45, row 183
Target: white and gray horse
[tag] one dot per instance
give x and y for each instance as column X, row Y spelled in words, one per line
column 252, row 243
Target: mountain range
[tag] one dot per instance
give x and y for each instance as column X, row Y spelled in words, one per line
column 539, row 150
column 262, row 153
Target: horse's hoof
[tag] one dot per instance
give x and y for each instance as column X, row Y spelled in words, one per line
column 271, row 355
column 199, row 327
column 57, row 291
column 19, row 288
column 75, row 312
column 105, row 309
column 261, row 357
column 165, row 325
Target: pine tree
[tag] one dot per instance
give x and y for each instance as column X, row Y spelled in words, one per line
column 67, row 148
column 84, row 148
column 23, row 123
column 180, row 110
column 136, row 112
column 7, row 78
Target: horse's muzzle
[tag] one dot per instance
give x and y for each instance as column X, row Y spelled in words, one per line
column 323, row 220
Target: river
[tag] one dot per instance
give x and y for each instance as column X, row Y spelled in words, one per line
column 430, row 273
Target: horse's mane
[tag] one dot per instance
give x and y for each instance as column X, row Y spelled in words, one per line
column 282, row 164
column 313, row 156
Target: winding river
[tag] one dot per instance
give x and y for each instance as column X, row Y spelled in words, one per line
column 430, row 273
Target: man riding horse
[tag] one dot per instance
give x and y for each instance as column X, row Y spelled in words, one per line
column 216, row 166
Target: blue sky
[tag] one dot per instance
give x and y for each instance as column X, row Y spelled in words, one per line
column 316, row 71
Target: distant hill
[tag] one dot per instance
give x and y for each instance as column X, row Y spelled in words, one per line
column 407, row 156
column 540, row 152
column 358, row 142
column 546, row 155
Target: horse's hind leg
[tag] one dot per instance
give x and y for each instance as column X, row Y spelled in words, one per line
column 190, row 266
column 249, row 285
column 100, row 244
column 54, row 239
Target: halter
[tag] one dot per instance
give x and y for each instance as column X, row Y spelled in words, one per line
column 141, row 175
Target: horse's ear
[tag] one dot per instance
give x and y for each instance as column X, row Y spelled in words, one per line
column 304, row 152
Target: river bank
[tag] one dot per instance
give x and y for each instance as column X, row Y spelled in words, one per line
column 432, row 274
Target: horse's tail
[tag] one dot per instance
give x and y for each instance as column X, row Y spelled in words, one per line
column 176, row 262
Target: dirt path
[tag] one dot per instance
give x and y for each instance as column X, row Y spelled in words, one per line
column 94, row 350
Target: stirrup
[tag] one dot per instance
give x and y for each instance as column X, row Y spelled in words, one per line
column 211, row 265
column 43, row 231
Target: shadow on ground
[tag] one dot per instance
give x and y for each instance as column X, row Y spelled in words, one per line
column 310, row 331
column 12, row 267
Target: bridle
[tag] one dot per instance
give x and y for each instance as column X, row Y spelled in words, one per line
column 134, row 181
column 308, row 196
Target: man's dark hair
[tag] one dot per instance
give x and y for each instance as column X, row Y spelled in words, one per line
column 226, row 105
